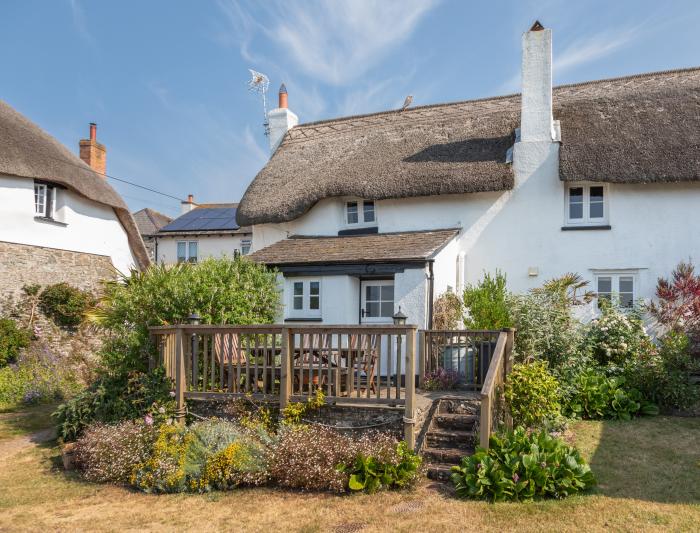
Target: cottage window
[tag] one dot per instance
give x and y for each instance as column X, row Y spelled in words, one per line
column 306, row 298
column 44, row 200
column 617, row 286
column 360, row 212
column 586, row 205
column 377, row 301
column 187, row 251
column 245, row 247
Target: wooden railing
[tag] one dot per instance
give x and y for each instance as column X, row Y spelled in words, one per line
column 372, row 364
column 493, row 409
column 467, row 353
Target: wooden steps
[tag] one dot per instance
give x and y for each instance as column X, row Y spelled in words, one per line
column 451, row 435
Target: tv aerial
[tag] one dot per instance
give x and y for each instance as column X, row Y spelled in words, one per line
column 259, row 83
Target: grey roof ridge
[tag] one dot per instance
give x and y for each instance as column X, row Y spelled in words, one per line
column 455, row 229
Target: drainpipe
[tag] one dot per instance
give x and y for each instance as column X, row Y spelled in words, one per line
column 155, row 250
column 431, row 293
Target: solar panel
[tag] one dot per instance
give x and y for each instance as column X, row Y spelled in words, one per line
column 205, row 218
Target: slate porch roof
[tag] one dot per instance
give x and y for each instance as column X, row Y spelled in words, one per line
column 376, row 248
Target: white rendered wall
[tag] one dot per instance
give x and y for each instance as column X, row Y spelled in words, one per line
column 90, row 227
column 208, row 246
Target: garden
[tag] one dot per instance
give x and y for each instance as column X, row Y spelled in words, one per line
column 574, row 388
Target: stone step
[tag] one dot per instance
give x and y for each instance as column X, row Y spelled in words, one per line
column 449, row 456
column 439, row 471
column 461, row 406
column 454, row 421
column 441, row 438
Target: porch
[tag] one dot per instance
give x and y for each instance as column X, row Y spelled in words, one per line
column 371, row 366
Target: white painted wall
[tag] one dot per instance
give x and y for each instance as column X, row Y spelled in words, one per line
column 90, row 227
column 209, row 246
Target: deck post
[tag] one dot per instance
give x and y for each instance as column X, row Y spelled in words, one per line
column 508, row 366
column 421, row 358
column 285, row 370
column 409, row 419
column 180, row 377
column 485, row 421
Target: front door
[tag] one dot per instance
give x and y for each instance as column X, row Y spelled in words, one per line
column 377, row 301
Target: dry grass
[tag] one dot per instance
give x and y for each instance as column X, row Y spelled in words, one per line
column 648, row 472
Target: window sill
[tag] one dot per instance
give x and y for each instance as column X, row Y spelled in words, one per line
column 52, row 221
column 302, row 319
column 360, row 230
column 587, row 227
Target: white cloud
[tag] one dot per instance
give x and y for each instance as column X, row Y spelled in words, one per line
column 596, row 46
column 333, row 42
column 80, row 22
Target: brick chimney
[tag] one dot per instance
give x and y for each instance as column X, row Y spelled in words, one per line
column 536, row 123
column 187, row 205
column 92, row 152
column 281, row 120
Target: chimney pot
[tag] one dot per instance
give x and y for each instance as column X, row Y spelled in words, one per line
column 187, row 205
column 283, row 103
column 190, row 198
column 537, row 26
column 93, row 131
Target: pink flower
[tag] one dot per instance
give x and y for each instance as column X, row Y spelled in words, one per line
column 148, row 419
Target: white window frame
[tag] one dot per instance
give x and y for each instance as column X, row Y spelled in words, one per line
column 587, row 220
column 364, row 319
column 48, row 208
column 245, row 246
column 615, row 276
column 306, row 298
column 188, row 256
column 361, row 222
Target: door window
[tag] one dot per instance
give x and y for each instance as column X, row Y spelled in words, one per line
column 377, row 301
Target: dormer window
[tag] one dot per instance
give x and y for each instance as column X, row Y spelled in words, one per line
column 360, row 212
column 44, row 200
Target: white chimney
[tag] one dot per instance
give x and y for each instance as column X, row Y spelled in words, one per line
column 187, row 205
column 536, row 123
column 280, row 120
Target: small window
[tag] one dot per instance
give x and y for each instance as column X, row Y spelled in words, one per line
column 618, row 287
column 586, row 205
column 360, row 212
column 187, row 251
column 306, row 298
column 44, row 200
column 245, row 247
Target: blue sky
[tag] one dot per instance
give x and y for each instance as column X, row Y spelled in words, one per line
column 166, row 80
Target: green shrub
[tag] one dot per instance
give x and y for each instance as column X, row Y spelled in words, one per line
column 663, row 376
column 522, row 467
column 164, row 469
column 532, row 394
column 448, row 311
column 115, row 398
column 111, row 453
column 598, row 396
column 36, row 380
column 65, row 305
column 486, row 303
column 617, row 336
column 12, row 339
column 372, row 472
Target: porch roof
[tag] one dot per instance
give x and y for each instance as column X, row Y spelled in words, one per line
column 374, row 248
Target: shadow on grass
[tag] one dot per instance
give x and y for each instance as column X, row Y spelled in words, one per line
column 653, row 459
column 27, row 421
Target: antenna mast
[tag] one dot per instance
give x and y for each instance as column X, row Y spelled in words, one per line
column 259, row 83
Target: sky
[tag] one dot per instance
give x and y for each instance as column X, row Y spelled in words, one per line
column 166, row 80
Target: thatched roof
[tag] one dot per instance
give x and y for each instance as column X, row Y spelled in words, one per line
column 374, row 248
column 149, row 221
column 461, row 147
column 28, row 151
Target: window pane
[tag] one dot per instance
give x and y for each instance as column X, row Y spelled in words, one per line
column 193, row 251
column 298, row 288
column 181, row 251
column 604, row 285
column 388, row 293
column 39, row 199
column 597, row 210
column 387, row 309
column 575, row 211
column 372, row 309
column 314, row 302
column 368, row 208
column 626, row 284
column 351, row 208
column 371, row 292
column 245, row 247
column 626, row 299
column 576, row 195
column 596, row 194
column 298, row 302
column 314, row 288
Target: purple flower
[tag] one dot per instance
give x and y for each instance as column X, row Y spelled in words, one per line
column 478, row 466
column 148, row 419
column 516, row 477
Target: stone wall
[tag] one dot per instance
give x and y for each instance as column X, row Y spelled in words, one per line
column 21, row 264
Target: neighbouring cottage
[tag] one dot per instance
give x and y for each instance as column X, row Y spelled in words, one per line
column 203, row 230
column 60, row 220
column 364, row 214
column 149, row 222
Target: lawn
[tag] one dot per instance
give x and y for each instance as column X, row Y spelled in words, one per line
column 648, row 469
